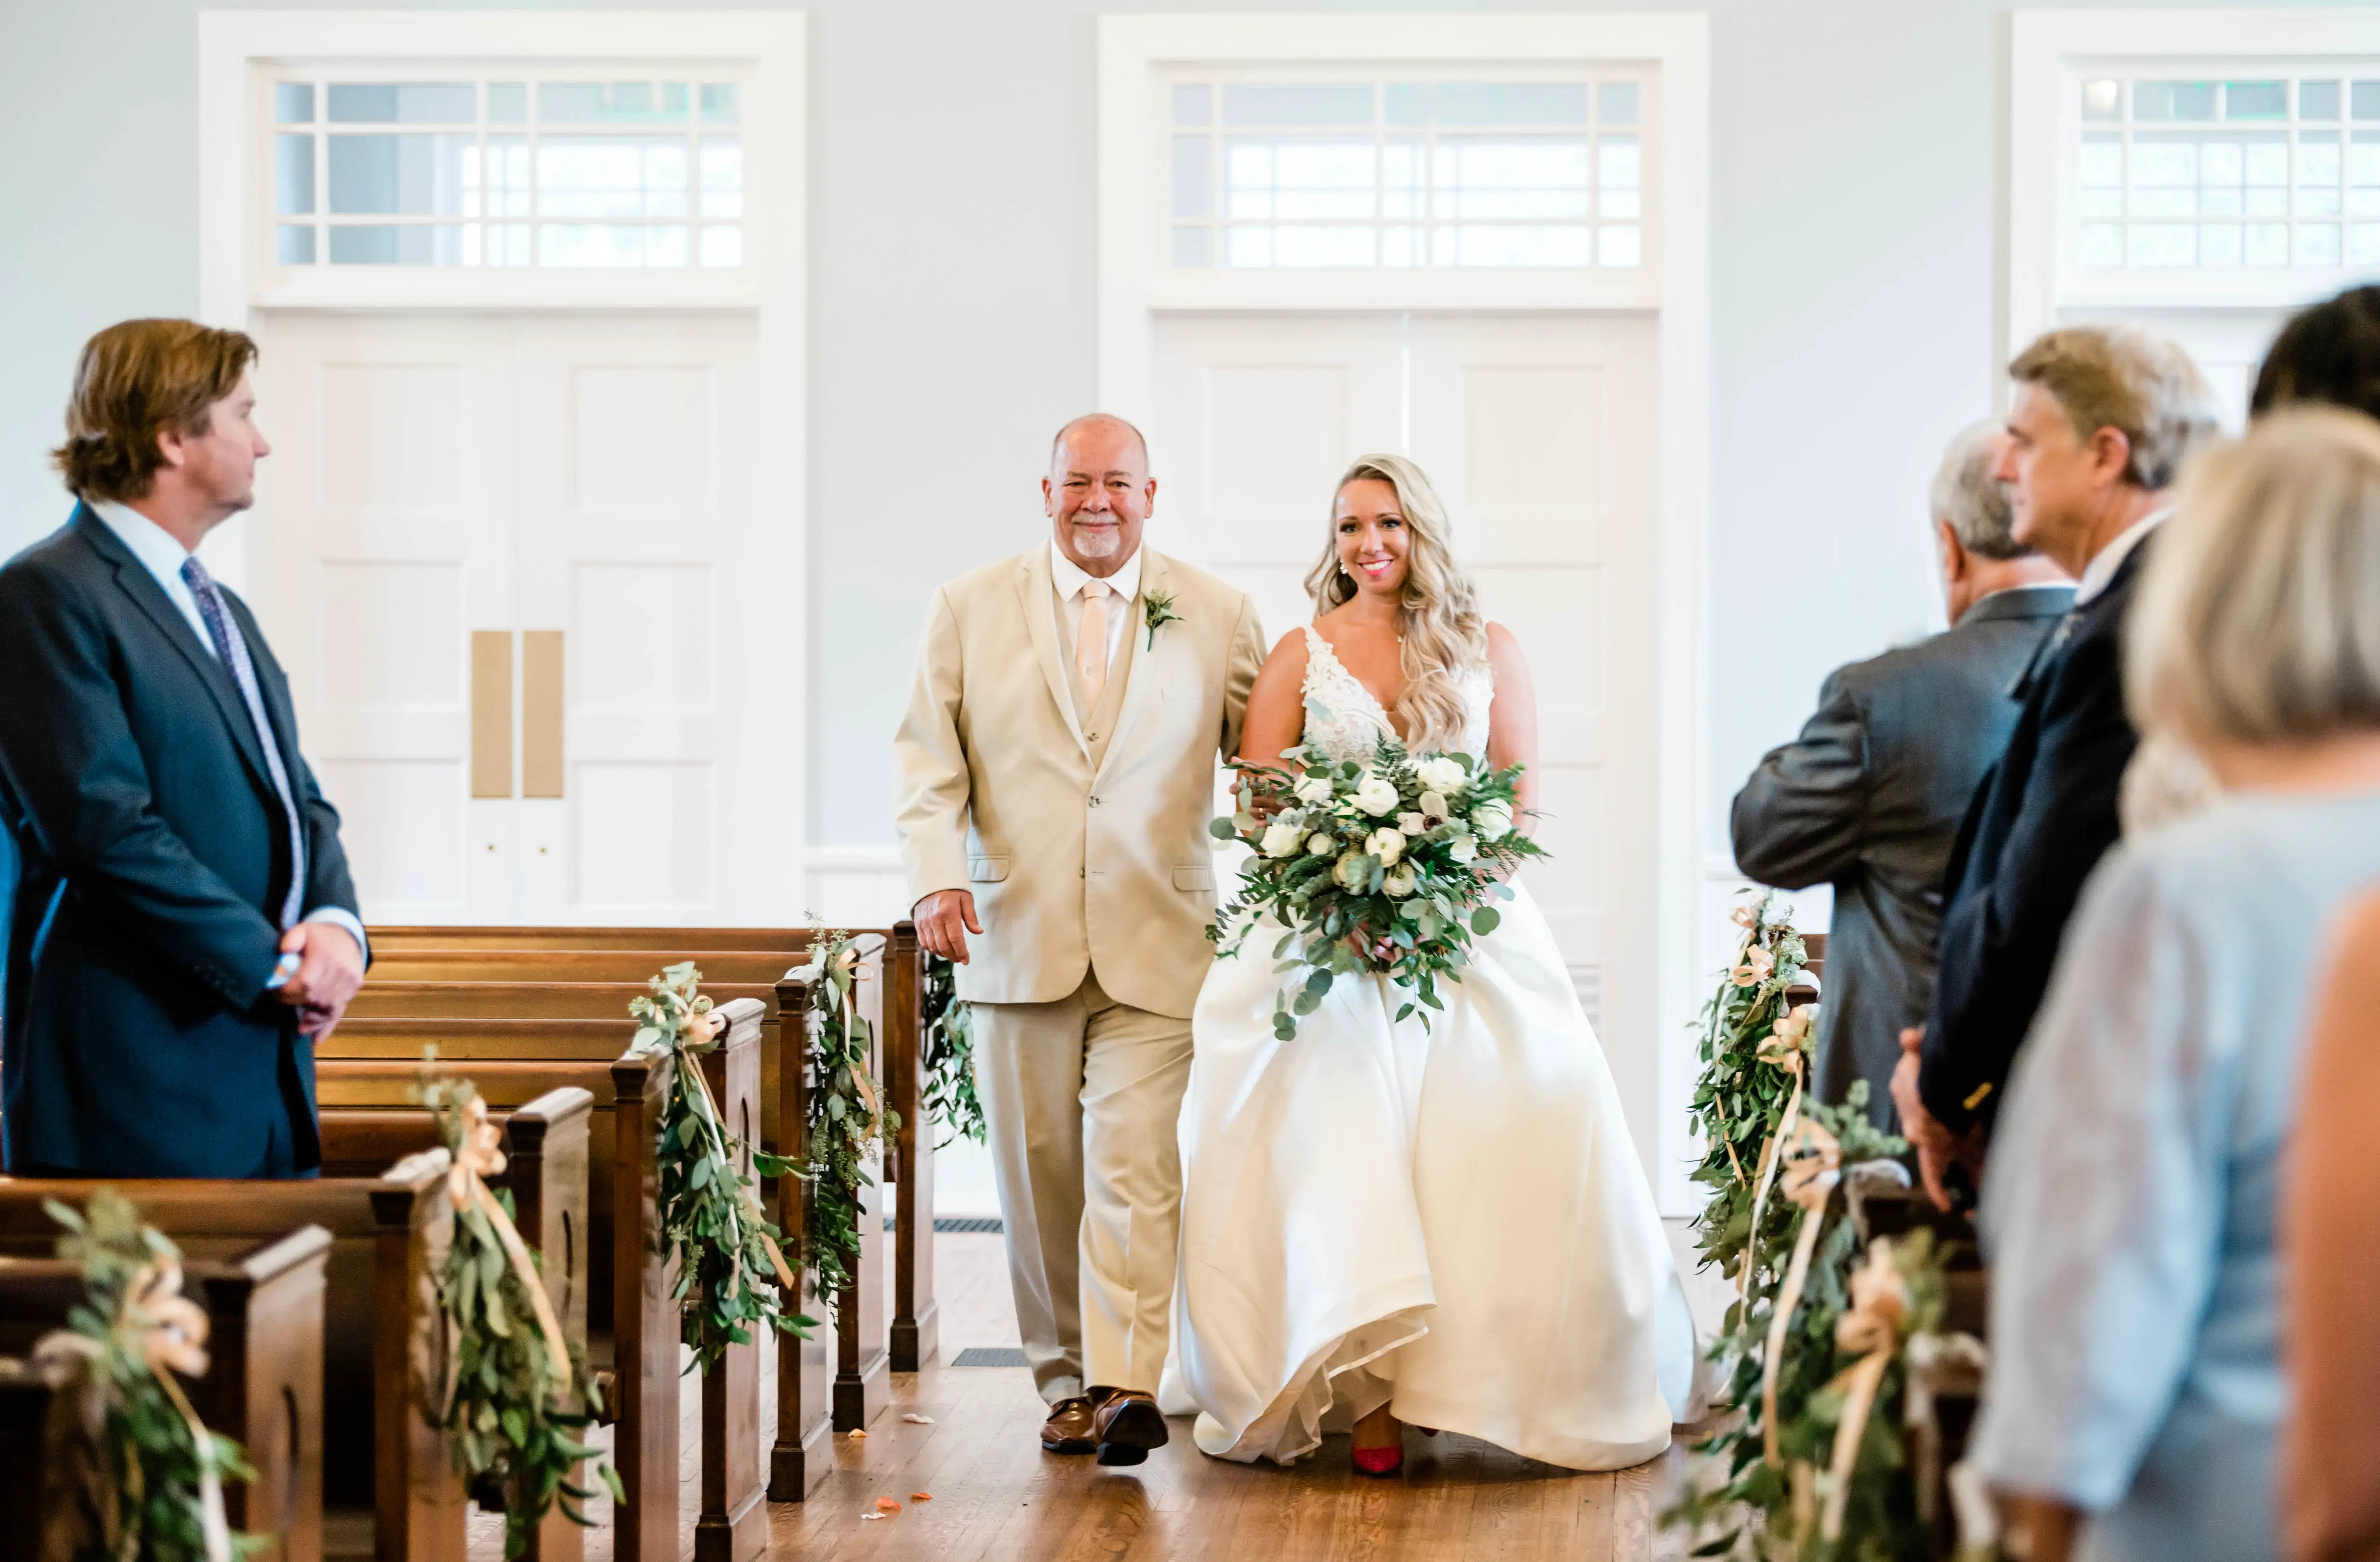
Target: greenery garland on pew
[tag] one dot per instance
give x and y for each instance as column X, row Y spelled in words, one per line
column 731, row 1272
column 511, row 1394
column 153, row 1485
column 1753, row 1054
column 1813, row 1469
column 847, row 1109
column 948, row 1055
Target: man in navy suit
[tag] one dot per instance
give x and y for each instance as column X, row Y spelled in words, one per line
column 182, row 929
column 2101, row 421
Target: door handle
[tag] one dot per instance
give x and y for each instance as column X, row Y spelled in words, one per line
column 542, row 713
column 492, row 713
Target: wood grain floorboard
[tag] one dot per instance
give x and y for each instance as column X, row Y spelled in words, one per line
column 997, row 1497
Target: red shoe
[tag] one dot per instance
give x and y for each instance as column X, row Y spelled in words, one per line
column 1380, row 1462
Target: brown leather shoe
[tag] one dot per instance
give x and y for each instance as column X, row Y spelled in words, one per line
column 1127, row 1423
column 1069, row 1429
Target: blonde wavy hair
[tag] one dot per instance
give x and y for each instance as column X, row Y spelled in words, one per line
column 1444, row 633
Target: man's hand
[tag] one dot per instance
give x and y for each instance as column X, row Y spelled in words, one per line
column 330, row 971
column 1936, row 1147
column 944, row 919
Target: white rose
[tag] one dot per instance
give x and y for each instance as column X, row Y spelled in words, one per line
column 1283, row 838
column 1412, row 824
column 1492, row 820
column 1462, row 848
column 1386, row 844
column 1353, row 872
column 1377, row 795
column 1399, row 881
column 1319, row 844
column 1438, row 773
column 1313, row 788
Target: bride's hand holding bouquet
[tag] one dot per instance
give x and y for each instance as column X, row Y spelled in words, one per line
column 1385, row 868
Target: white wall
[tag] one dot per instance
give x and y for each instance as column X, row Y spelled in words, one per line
column 1857, row 173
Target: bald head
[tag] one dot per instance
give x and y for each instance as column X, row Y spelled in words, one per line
column 1106, row 424
column 1099, row 493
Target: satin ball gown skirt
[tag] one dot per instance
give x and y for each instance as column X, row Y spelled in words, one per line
column 1452, row 1222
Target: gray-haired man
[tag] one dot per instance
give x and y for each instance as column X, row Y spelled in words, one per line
column 1870, row 796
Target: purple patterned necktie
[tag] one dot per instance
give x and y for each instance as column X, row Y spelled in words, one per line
column 234, row 653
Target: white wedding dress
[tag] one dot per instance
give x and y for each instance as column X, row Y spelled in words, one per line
column 1452, row 1221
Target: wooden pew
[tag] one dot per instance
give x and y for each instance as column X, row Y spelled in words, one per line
column 915, row 1330
column 631, row 1321
column 388, row 1487
column 470, row 974
column 28, row 1391
column 264, row 1380
column 546, row 1171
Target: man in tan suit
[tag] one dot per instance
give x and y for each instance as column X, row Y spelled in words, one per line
column 1058, row 766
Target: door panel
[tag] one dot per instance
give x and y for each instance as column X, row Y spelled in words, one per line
column 590, row 475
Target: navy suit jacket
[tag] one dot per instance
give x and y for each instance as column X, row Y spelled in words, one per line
column 2040, row 823
column 152, row 859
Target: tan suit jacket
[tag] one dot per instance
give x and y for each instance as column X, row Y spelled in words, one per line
column 1086, row 850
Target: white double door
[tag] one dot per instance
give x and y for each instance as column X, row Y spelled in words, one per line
column 536, row 612
column 1539, row 432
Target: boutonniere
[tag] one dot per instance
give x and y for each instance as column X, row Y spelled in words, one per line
column 1156, row 609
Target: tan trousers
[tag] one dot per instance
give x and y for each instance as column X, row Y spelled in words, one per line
column 1081, row 1099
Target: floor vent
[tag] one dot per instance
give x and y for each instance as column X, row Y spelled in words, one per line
column 969, row 1223
column 990, row 1356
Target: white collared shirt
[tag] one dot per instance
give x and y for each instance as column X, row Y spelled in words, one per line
column 1070, row 579
column 162, row 554
column 2108, row 560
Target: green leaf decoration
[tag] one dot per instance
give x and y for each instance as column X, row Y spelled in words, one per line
column 1485, row 920
column 844, row 1127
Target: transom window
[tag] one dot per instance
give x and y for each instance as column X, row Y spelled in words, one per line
column 2275, row 171
column 507, row 173
column 1420, row 172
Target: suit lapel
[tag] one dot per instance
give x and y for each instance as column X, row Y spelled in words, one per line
column 134, row 580
column 1035, row 596
column 1136, row 681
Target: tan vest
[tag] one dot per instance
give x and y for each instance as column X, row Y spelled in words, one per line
column 1083, row 854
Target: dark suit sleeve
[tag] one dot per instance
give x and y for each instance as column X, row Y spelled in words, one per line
column 78, row 774
column 2000, row 938
column 1802, row 817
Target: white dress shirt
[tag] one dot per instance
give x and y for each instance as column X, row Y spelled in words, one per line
column 2104, row 565
column 1070, row 579
column 162, row 554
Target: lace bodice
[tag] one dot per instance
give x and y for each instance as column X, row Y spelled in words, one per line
column 1345, row 721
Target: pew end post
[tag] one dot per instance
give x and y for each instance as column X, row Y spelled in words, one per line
column 916, row 1330
column 799, row 1457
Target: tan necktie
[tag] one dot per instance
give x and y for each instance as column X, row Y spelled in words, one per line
column 1091, row 642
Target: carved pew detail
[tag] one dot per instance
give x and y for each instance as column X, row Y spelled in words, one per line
column 381, row 1232
column 264, row 1378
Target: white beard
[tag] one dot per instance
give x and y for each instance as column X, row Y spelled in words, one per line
column 1098, row 542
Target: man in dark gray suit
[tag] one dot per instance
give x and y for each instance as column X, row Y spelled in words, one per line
column 1869, row 797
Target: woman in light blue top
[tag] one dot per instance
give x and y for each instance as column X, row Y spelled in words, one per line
column 2128, row 1207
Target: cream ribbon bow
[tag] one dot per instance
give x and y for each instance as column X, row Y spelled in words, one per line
column 1813, row 1160
column 1879, row 1306
column 172, row 1330
column 480, row 1156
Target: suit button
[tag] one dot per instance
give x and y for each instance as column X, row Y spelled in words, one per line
column 1090, row 737
column 1095, row 802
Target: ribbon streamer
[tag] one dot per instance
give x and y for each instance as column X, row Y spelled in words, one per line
column 1813, row 1161
column 1879, row 1305
column 711, row 1024
column 172, row 1330
column 1785, row 1047
column 478, row 1157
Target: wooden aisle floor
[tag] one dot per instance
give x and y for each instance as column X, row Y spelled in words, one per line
column 995, row 1497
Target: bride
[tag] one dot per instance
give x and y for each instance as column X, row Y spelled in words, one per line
column 1382, row 1224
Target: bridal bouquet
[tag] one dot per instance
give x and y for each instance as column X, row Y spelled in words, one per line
column 1387, row 868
